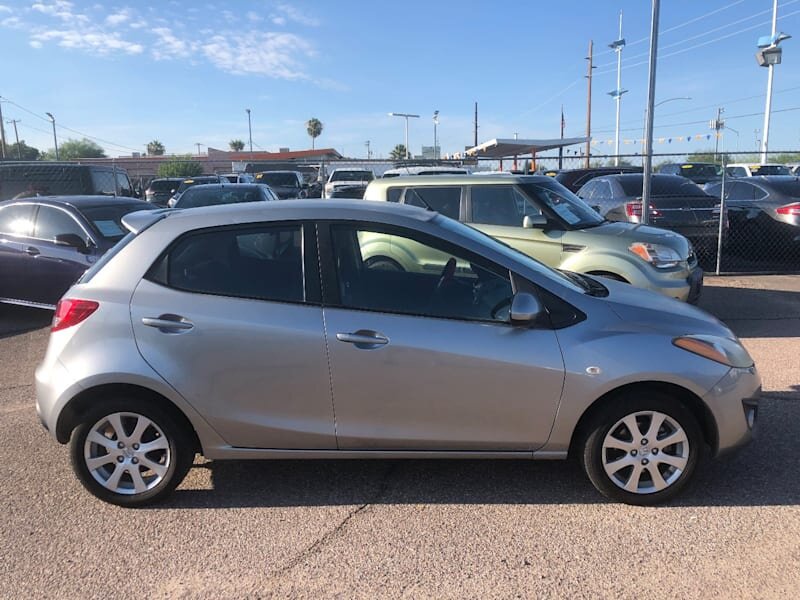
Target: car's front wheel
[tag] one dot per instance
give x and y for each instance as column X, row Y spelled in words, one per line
column 130, row 452
column 642, row 448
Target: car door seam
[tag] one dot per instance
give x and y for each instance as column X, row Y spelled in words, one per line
column 325, row 335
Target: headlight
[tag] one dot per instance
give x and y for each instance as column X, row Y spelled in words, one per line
column 661, row 257
column 722, row 350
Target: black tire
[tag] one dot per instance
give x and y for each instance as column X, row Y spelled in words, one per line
column 641, row 456
column 178, row 458
column 384, row 263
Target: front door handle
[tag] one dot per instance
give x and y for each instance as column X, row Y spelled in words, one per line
column 32, row 250
column 364, row 339
column 168, row 323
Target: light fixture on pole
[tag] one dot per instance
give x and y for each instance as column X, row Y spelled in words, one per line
column 55, row 139
column 769, row 55
column 249, row 131
column 617, row 47
column 435, row 140
column 406, row 116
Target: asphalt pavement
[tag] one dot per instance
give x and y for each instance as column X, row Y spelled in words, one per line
column 417, row 529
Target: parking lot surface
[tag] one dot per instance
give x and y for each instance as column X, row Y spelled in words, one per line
column 413, row 528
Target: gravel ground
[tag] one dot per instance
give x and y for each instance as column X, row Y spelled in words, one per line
column 451, row 529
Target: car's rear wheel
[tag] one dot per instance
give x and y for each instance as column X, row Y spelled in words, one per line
column 130, row 452
column 642, row 448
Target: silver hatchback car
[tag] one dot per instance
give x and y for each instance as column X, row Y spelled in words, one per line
column 258, row 331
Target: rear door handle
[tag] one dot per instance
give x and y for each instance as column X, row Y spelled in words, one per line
column 363, row 339
column 32, row 250
column 168, row 323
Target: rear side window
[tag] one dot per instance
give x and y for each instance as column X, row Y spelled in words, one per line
column 393, row 194
column 444, row 200
column 17, row 219
column 264, row 263
column 51, row 221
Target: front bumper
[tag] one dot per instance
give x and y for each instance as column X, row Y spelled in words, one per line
column 734, row 402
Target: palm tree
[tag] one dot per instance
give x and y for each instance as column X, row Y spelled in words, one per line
column 236, row 145
column 155, row 148
column 314, row 129
column 398, row 152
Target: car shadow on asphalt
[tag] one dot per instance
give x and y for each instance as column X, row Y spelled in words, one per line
column 753, row 312
column 749, row 477
column 15, row 320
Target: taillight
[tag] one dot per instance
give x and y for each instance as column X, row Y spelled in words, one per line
column 634, row 209
column 70, row 312
column 791, row 210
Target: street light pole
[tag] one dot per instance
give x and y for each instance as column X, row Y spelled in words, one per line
column 651, row 96
column 617, row 46
column 250, row 131
column 55, row 139
column 435, row 142
column 16, row 136
column 769, row 55
column 406, row 116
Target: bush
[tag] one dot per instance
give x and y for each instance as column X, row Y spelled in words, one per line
column 180, row 168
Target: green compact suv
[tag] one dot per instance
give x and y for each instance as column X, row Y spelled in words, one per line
column 540, row 217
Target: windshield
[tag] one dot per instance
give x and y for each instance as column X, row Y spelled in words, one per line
column 700, row 171
column 559, row 201
column 660, row 185
column 352, row 176
column 226, row 194
column 278, row 179
column 187, row 183
column 162, row 185
column 769, row 170
column 515, row 255
column 789, row 188
column 107, row 220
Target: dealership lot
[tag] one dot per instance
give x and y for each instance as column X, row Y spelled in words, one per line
column 413, row 528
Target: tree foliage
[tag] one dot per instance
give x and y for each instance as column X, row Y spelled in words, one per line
column 72, row 149
column 22, row 152
column 314, row 129
column 181, row 167
column 236, row 145
column 155, row 148
column 398, row 152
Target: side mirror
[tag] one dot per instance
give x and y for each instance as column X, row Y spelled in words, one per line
column 73, row 241
column 534, row 221
column 525, row 308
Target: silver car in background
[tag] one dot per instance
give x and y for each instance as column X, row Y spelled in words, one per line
column 257, row 331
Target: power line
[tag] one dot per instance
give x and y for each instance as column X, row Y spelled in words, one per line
column 756, row 114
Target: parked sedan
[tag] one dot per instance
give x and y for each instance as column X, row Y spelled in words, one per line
column 46, row 243
column 700, row 173
column 192, row 181
column 764, row 212
column 676, row 203
column 240, row 331
column 574, row 179
column 159, row 191
column 212, row 194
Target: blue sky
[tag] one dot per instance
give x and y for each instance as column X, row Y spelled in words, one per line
column 184, row 72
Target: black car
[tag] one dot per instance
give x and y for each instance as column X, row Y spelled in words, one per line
column 573, row 179
column 29, row 179
column 676, row 203
column 46, row 243
column 213, row 194
column 700, row 173
column 286, row 184
column 192, row 181
column 764, row 212
column 159, row 191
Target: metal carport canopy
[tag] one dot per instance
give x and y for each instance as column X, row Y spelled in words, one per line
column 508, row 148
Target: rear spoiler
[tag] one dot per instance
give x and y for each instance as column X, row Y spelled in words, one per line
column 140, row 220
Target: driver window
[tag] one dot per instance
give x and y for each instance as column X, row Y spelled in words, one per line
column 500, row 205
column 412, row 274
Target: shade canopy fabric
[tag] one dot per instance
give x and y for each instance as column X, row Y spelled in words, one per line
column 508, row 148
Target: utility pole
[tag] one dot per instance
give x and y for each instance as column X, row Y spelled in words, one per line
column 16, row 136
column 617, row 47
column 2, row 133
column 55, row 138
column 651, row 96
column 369, row 152
column 435, row 142
column 249, row 132
column 589, row 106
column 561, row 148
column 717, row 126
column 475, row 141
column 198, row 144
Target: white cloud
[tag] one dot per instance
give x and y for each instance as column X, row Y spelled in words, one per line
column 118, row 17
column 96, row 41
column 270, row 54
column 279, row 21
column 169, row 46
column 253, row 16
column 4, row 8
column 294, row 14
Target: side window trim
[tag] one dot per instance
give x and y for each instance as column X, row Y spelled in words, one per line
column 88, row 235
